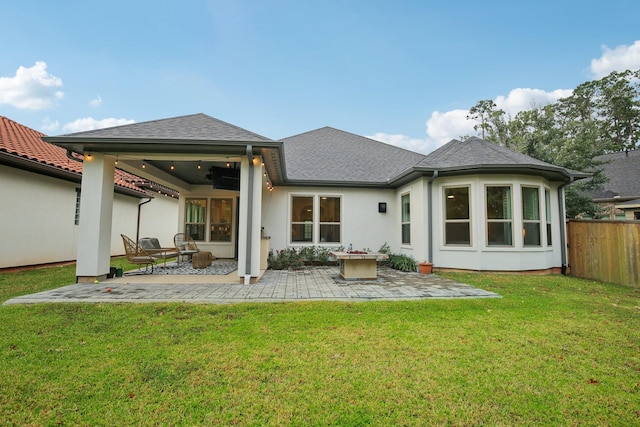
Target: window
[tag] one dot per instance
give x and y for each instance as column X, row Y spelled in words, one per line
column 329, row 219
column 221, row 224
column 499, row 217
column 405, row 202
column 530, row 216
column 302, row 219
column 457, row 227
column 547, row 204
column 316, row 219
column 195, row 218
column 76, row 219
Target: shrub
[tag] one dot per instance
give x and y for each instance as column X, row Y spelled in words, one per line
column 402, row 262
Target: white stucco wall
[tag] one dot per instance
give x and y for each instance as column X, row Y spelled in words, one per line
column 364, row 227
column 37, row 219
column 361, row 223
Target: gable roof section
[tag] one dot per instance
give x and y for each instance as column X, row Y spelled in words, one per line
column 623, row 172
column 191, row 127
column 475, row 155
column 329, row 156
column 23, row 147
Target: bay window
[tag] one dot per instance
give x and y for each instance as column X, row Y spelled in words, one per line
column 530, row 216
column 457, row 226
column 499, row 216
column 547, row 204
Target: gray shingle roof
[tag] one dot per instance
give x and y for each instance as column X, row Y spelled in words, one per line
column 476, row 152
column 191, row 127
column 623, row 171
column 332, row 155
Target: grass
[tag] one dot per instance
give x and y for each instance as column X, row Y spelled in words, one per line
column 554, row 351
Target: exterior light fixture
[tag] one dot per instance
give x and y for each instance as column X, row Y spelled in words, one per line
column 199, row 165
column 172, row 167
column 144, row 165
column 228, row 164
column 116, row 163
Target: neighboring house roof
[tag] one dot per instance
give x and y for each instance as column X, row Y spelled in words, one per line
column 331, row 155
column 23, row 147
column 191, row 127
column 475, row 155
column 623, row 173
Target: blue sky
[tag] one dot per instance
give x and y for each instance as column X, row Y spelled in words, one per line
column 403, row 72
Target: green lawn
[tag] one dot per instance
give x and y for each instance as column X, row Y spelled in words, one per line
column 554, row 351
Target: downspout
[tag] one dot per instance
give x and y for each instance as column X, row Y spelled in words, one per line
column 247, row 273
column 430, row 215
column 138, row 225
column 563, row 228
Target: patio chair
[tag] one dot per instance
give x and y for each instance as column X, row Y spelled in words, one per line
column 151, row 245
column 136, row 255
column 185, row 246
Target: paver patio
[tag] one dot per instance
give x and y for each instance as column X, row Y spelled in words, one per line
column 313, row 283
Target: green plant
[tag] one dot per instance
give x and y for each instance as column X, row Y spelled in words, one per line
column 402, row 262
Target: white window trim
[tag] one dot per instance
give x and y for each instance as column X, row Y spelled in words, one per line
column 402, row 223
column 487, row 220
column 530, row 221
column 316, row 219
column 470, row 245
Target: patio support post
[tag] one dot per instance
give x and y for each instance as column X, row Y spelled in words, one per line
column 249, row 218
column 96, row 208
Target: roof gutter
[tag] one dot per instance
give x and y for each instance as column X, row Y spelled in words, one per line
column 430, row 215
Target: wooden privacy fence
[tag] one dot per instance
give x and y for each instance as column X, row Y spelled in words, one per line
column 608, row 251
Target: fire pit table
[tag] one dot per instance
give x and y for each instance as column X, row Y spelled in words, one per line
column 359, row 264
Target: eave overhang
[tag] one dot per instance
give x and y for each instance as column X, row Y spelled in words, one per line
column 52, row 171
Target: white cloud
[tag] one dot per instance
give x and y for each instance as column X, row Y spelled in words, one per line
column 89, row 123
column 49, row 125
column 96, row 102
column 620, row 58
column 442, row 127
column 522, row 99
column 31, row 88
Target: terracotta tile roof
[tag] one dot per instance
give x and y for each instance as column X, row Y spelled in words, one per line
column 24, row 142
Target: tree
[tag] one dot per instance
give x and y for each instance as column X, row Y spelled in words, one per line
column 600, row 116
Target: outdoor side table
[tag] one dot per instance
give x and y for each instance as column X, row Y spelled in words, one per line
column 201, row 259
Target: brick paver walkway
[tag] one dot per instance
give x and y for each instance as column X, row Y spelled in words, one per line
column 314, row 283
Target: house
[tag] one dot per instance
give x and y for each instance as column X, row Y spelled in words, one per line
column 41, row 192
column 620, row 196
column 469, row 205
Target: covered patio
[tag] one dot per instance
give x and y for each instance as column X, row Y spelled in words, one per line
column 219, row 171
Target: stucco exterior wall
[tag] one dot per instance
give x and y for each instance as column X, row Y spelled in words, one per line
column 479, row 255
column 361, row 223
column 38, row 212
